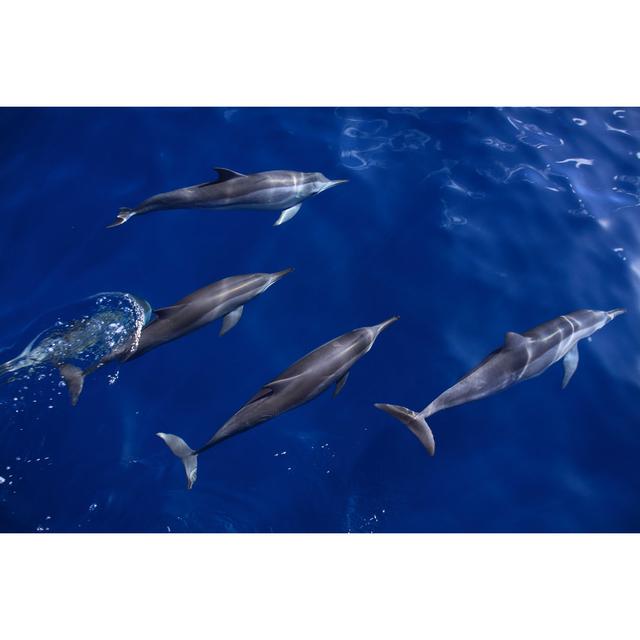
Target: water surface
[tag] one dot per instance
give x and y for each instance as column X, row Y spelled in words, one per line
column 465, row 222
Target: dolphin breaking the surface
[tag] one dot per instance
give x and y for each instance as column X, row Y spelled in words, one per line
column 100, row 325
column 269, row 190
column 222, row 299
column 522, row 356
column 301, row 382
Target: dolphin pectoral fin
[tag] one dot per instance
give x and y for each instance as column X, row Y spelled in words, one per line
column 164, row 312
column 416, row 423
column 340, row 384
column 187, row 455
column 287, row 214
column 513, row 340
column 74, row 379
column 570, row 363
column 231, row 320
column 227, row 174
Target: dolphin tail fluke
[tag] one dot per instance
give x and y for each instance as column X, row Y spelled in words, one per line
column 187, row 455
column 8, row 367
column 123, row 215
column 416, row 423
column 74, row 379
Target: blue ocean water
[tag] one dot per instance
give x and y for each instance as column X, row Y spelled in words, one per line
column 465, row 222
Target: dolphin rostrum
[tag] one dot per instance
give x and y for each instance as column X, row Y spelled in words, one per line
column 522, row 356
column 297, row 385
column 269, row 190
column 222, row 299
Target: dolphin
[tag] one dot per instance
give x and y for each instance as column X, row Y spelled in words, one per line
column 522, row 356
column 269, row 190
column 222, row 299
column 297, row 385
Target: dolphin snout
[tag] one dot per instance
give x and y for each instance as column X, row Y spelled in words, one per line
column 281, row 274
column 383, row 325
column 614, row 313
column 275, row 277
column 333, row 183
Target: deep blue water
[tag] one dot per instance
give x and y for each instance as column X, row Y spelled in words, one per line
column 466, row 222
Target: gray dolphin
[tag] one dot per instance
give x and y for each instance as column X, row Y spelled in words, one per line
column 522, row 356
column 269, row 190
column 222, row 299
column 297, row 385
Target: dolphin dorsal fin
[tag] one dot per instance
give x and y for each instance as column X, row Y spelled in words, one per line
column 263, row 393
column 163, row 312
column 513, row 340
column 275, row 386
column 227, row 174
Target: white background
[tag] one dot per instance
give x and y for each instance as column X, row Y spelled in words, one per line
column 319, row 53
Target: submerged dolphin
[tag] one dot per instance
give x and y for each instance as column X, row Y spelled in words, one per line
column 225, row 298
column 269, row 190
column 74, row 339
column 522, row 356
column 297, row 385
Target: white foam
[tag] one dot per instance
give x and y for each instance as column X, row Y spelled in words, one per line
column 610, row 128
column 579, row 161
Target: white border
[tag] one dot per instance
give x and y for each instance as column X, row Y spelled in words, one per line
column 320, row 53
column 328, row 52
column 321, row 586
